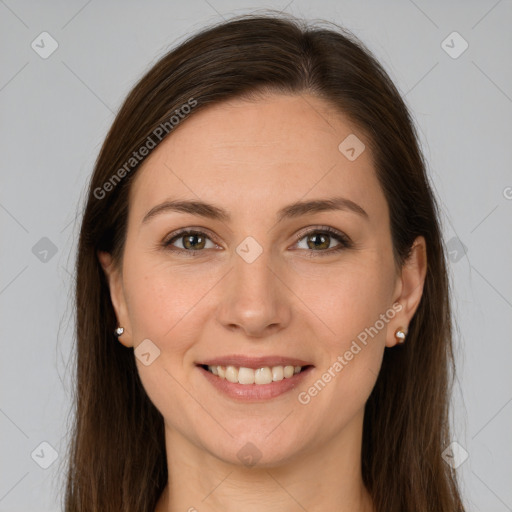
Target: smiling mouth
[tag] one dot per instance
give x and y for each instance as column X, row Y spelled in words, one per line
column 259, row 376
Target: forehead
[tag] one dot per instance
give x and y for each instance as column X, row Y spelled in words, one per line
column 259, row 154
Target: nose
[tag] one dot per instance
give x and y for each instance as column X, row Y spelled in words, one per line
column 255, row 299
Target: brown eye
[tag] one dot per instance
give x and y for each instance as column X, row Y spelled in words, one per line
column 193, row 242
column 320, row 240
column 190, row 241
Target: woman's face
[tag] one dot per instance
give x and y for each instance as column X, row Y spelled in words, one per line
column 261, row 281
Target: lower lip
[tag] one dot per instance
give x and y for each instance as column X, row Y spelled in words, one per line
column 255, row 392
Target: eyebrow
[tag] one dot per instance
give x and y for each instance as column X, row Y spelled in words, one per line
column 294, row 210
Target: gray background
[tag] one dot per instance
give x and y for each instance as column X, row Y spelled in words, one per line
column 56, row 112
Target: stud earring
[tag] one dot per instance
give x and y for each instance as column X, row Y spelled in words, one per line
column 400, row 335
column 118, row 331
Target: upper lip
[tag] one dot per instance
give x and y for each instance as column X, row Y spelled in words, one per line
column 254, row 362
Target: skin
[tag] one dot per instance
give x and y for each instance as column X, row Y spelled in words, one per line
column 253, row 158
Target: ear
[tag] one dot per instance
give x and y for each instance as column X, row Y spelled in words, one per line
column 409, row 289
column 117, row 296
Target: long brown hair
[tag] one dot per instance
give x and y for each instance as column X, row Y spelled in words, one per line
column 117, row 452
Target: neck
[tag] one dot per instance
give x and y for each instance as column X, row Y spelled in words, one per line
column 326, row 476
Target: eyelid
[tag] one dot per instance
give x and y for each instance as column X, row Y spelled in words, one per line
column 320, row 229
column 344, row 240
column 189, row 230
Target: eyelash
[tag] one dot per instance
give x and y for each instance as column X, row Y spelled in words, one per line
column 345, row 242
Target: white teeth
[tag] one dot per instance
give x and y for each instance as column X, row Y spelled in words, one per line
column 277, row 373
column 264, row 375
column 231, row 374
column 289, row 371
column 246, row 376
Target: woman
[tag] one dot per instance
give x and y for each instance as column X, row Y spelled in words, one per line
column 261, row 231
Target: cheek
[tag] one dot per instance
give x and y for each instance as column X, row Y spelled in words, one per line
column 348, row 297
column 163, row 305
column 163, row 298
column 351, row 307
